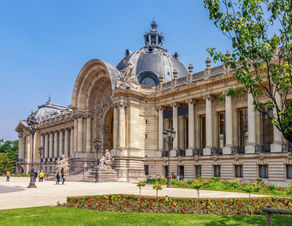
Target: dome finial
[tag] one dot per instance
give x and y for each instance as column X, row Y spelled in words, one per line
column 154, row 24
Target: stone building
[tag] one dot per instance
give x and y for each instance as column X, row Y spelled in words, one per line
column 129, row 106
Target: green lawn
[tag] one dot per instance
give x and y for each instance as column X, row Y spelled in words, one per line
column 70, row 216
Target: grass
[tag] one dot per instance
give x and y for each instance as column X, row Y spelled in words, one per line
column 70, row 216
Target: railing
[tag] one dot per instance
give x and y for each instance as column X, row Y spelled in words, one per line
column 164, row 153
column 237, row 150
column 262, row 148
column 216, row 151
column 180, row 153
column 269, row 211
column 197, row 152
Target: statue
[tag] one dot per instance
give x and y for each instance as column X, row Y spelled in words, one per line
column 63, row 165
column 106, row 161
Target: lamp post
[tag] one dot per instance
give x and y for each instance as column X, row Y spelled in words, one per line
column 97, row 143
column 32, row 123
column 41, row 150
column 168, row 136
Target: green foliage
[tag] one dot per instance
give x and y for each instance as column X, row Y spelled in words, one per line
column 65, row 216
column 198, row 176
column 140, row 185
column 260, row 180
column 222, row 98
column 161, row 180
column 157, row 186
column 263, row 63
column 8, row 155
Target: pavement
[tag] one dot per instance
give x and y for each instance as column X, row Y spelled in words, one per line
column 15, row 194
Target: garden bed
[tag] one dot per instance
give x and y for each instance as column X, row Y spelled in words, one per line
column 133, row 203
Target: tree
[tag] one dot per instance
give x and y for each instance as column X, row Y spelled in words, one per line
column 262, row 62
column 198, row 184
column 157, row 186
column 140, row 185
column 8, row 156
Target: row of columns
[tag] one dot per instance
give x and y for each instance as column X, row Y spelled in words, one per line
column 209, row 128
column 53, row 144
column 79, row 123
column 119, row 132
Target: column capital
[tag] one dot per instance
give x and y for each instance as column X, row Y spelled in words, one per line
column 191, row 101
column 159, row 107
column 122, row 104
column 208, row 97
column 175, row 104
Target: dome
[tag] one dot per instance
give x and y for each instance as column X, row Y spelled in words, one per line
column 153, row 61
column 48, row 109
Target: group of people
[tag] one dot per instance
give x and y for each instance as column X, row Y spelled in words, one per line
column 58, row 177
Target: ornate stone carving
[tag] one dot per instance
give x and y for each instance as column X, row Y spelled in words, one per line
column 63, row 164
column 106, row 161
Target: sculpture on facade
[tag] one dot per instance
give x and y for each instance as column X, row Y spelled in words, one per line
column 106, row 161
column 63, row 164
column 128, row 79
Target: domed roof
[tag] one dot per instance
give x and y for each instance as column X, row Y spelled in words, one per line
column 153, row 61
column 48, row 109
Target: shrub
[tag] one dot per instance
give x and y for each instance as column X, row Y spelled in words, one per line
column 132, row 203
column 140, row 185
column 157, row 186
column 161, row 180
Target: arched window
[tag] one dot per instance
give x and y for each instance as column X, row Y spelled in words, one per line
column 148, row 78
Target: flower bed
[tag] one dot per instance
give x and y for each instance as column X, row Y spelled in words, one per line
column 132, row 203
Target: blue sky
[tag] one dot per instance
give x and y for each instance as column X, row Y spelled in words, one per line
column 44, row 44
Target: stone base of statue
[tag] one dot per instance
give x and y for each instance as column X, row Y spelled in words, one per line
column 107, row 175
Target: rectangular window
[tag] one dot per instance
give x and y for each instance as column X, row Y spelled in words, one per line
column 180, row 172
column 221, row 129
column 186, row 132
column 165, row 171
column 146, row 169
column 289, row 171
column 242, row 127
column 263, row 171
column 238, row 171
column 198, row 170
column 267, row 131
column 202, row 131
column 217, row 171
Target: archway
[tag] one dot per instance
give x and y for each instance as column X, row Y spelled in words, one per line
column 108, row 130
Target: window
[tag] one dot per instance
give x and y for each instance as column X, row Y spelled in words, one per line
column 238, row 171
column 202, row 131
column 198, row 170
column 263, row 171
column 165, row 171
column 242, row 127
column 146, row 170
column 148, row 78
column 217, row 171
column 221, row 129
column 267, row 131
column 289, row 171
column 180, row 172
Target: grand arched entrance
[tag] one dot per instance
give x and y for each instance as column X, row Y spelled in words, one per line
column 108, row 130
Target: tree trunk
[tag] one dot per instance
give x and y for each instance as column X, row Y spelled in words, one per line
column 198, row 192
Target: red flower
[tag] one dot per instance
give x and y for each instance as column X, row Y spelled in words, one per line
column 89, row 201
column 238, row 210
column 270, row 203
column 88, row 205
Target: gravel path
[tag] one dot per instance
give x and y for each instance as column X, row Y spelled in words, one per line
column 15, row 194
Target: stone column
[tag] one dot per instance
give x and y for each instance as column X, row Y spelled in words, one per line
column 209, row 121
column 276, row 146
column 116, row 127
column 46, row 148
column 175, row 127
column 160, row 128
column 88, row 134
column 122, row 126
column 191, row 127
column 72, row 139
column 228, row 125
column 55, row 155
column 61, row 150
column 20, row 147
column 51, row 146
column 79, row 128
column 66, row 144
column 75, row 135
column 250, row 148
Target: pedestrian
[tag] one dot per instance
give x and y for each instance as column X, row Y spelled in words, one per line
column 8, row 176
column 41, row 176
column 63, row 178
column 35, row 175
column 58, row 178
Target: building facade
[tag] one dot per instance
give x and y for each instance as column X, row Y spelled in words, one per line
column 129, row 106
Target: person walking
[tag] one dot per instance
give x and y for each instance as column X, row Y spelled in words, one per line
column 58, row 178
column 8, row 176
column 41, row 176
column 63, row 178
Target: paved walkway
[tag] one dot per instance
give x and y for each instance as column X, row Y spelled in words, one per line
column 15, row 194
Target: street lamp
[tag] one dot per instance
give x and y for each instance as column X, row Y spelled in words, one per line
column 168, row 136
column 97, row 143
column 41, row 150
column 32, row 123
